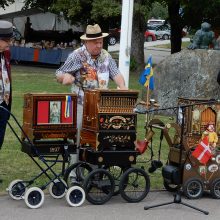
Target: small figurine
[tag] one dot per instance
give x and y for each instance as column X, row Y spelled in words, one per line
column 213, row 137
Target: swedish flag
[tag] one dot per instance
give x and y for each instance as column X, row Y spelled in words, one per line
column 67, row 106
column 147, row 77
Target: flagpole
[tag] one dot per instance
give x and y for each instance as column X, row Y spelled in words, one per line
column 148, row 91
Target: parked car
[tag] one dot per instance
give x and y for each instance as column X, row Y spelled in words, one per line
column 114, row 36
column 161, row 31
column 149, row 36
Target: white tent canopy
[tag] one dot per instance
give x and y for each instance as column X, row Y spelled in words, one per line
column 38, row 22
column 39, row 19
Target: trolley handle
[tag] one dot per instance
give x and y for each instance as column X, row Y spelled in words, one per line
column 18, row 124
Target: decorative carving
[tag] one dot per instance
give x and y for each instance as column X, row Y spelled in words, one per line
column 196, row 121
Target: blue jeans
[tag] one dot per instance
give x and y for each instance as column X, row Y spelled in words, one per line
column 4, row 115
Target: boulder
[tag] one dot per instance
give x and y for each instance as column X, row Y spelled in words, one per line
column 188, row 74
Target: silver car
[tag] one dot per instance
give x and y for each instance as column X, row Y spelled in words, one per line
column 161, row 31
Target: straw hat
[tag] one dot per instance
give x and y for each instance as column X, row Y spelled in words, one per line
column 93, row 32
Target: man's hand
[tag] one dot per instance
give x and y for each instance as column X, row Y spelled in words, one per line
column 65, row 79
column 119, row 80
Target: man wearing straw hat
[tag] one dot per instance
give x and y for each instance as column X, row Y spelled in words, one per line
column 89, row 66
column 6, row 34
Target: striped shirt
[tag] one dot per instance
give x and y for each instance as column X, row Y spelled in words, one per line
column 89, row 73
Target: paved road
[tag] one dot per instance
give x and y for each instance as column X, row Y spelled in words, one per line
column 158, row 54
column 115, row 209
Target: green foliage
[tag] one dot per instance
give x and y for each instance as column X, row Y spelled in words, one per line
column 105, row 9
column 196, row 11
column 158, row 11
column 38, row 4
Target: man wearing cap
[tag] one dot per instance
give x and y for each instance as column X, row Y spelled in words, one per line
column 89, row 66
column 6, row 34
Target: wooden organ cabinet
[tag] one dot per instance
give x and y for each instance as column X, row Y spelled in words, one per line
column 108, row 119
column 49, row 122
column 109, row 126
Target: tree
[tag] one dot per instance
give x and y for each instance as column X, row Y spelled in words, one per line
column 4, row 3
column 202, row 10
column 158, row 11
column 176, row 25
column 140, row 17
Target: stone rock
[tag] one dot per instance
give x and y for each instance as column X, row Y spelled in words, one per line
column 188, row 74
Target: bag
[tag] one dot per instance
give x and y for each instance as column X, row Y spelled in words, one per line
column 141, row 146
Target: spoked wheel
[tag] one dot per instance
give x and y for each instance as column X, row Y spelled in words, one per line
column 116, row 172
column 76, row 173
column 215, row 189
column 170, row 187
column 57, row 189
column 34, row 197
column 75, row 196
column 16, row 189
column 134, row 185
column 193, row 188
column 99, row 186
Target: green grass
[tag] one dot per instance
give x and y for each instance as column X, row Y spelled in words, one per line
column 14, row 164
column 168, row 46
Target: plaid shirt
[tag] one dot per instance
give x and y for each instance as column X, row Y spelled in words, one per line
column 89, row 73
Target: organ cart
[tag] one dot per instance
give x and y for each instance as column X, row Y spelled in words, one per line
column 108, row 140
column 49, row 135
column 183, row 138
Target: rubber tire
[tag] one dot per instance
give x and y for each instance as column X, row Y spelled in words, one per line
column 124, row 180
column 116, row 178
column 74, row 193
column 165, row 37
column 186, row 189
column 12, row 185
column 112, row 41
column 61, row 189
column 215, row 183
column 74, row 166
column 110, row 191
column 149, row 39
column 31, row 194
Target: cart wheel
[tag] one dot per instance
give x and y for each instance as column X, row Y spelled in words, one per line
column 80, row 171
column 99, row 186
column 75, row 196
column 57, row 189
column 116, row 172
column 16, row 189
column 193, row 188
column 34, row 197
column 215, row 189
column 134, row 185
column 170, row 187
